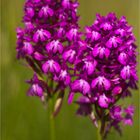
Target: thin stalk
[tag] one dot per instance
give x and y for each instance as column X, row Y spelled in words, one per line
column 99, row 131
column 51, row 121
column 51, row 118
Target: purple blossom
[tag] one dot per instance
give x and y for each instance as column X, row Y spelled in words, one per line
column 117, row 90
column 29, row 26
column 128, row 120
column 66, row 3
column 101, row 52
column 41, row 35
column 20, row 33
column 85, row 107
column 81, row 86
column 123, row 58
column 110, row 43
column 46, row 11
column 51, row 66
column 47, row 42
column 128, row 72
column 60, row 32
column 116, row 113
column 101, row 82
column 54, row 46
column 36, row 1
column 106, row 26
column 103, row 101
column 72, row 34
column 92, row 35
column 129, row 112
column 63, row 77
column 89, row 66
column 69, row 55
column 113, row 42
column 36, row 88
column 27, row 48
column 30, row 12
column 38, row 56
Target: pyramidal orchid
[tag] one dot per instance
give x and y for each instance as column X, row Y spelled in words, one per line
column 105, row 73
column 101, row 67
column 50, row 33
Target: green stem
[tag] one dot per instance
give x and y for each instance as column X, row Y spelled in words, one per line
column 99, row 131
column 51, row 121
column 101, row 127
column 51, row 109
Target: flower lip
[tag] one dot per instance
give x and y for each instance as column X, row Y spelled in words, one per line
column 69, row 55
column 72, row 35
column 122, row 58
column 92, row 35
column 83, row 100
column 54, row 46
column 106, row 26
column 30, row 12
column 64, row 77
column 81, row 86
column 41, row 35
column 113, row 42
column 89, row 66
column 103, row 101
column 116, row 113
column 101, row 52
column 126, row 72
column 117, row 90
column 46, row 11
column 66, row 3
column 101, row 81
column 130, row 110
column 51, row 66
column 28, row 48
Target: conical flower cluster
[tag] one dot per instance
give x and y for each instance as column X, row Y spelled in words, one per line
column 101, row 67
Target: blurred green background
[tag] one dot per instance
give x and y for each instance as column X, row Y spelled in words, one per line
column 24, row 118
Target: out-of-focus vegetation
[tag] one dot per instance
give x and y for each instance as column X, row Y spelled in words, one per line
column 24, row 118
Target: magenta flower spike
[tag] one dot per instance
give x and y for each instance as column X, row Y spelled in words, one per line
column 101, row 68
column 111, row 44
column 48, row 42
